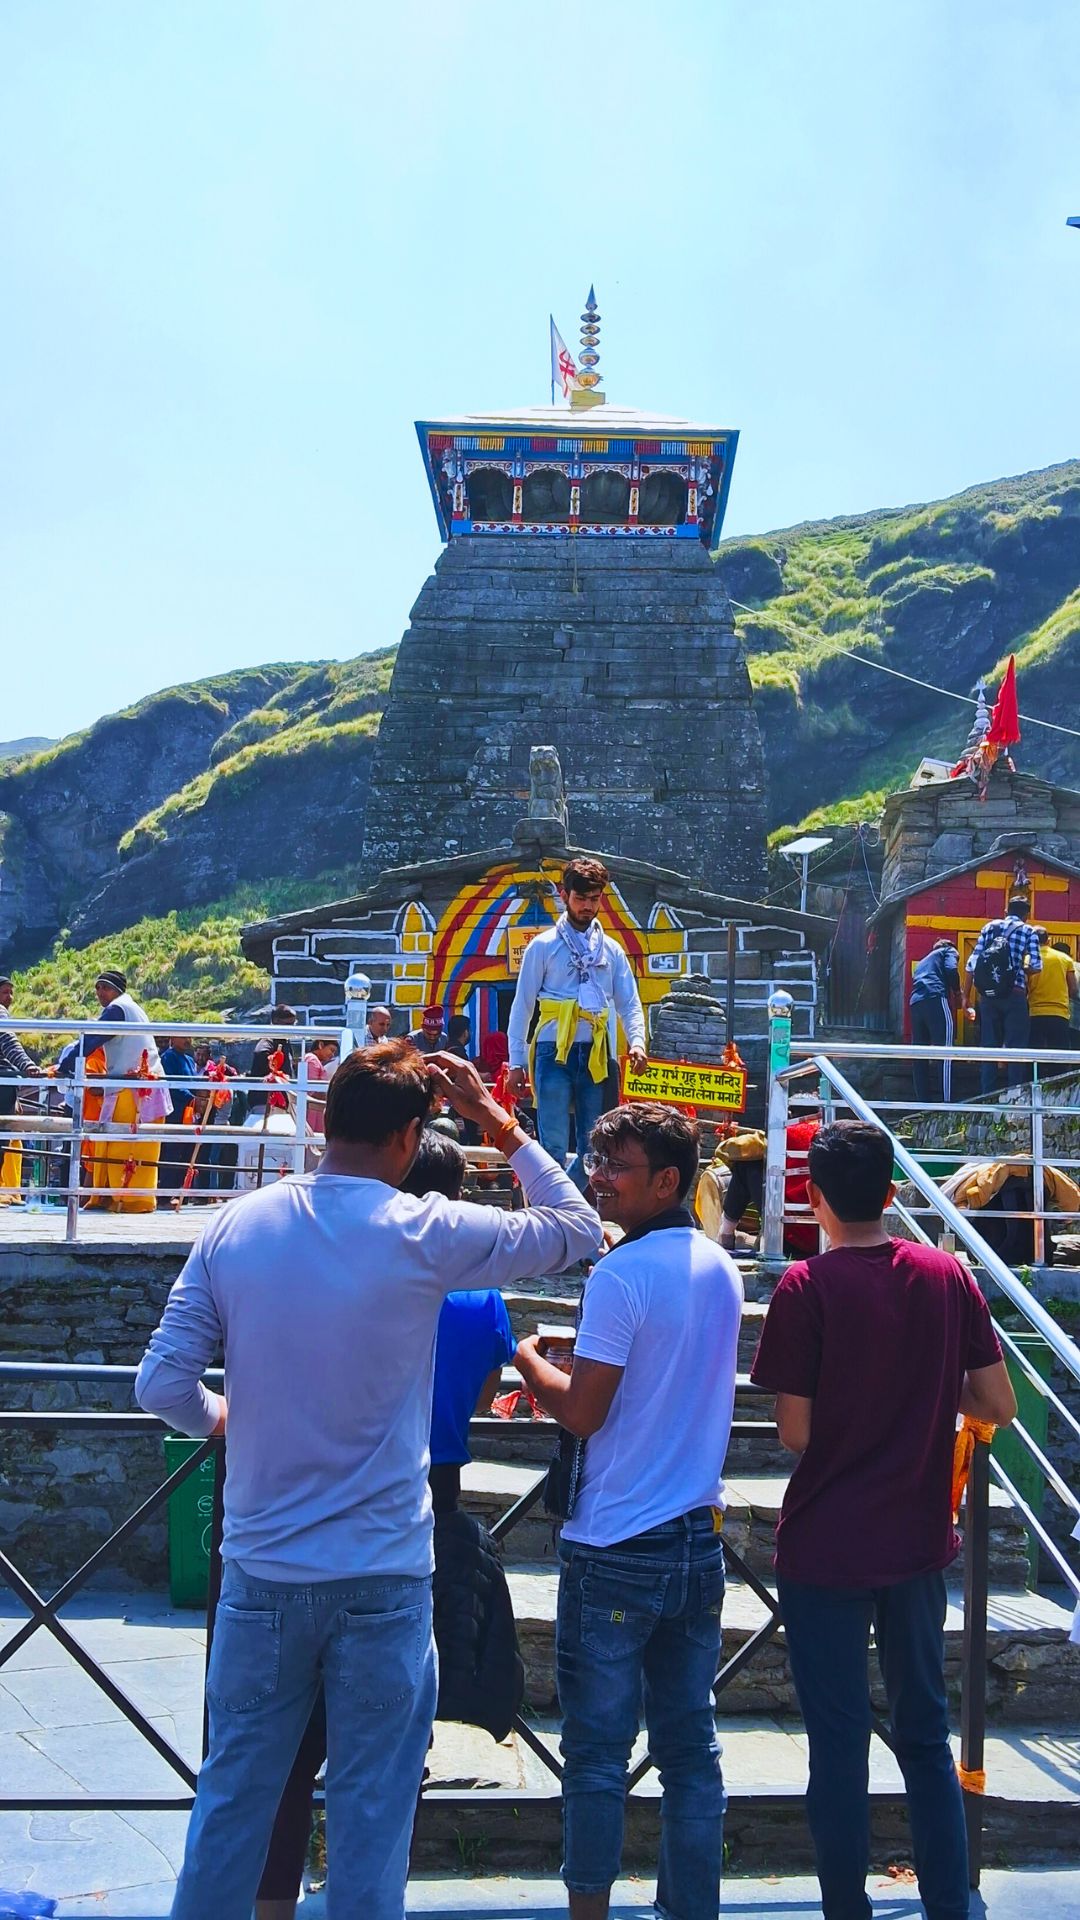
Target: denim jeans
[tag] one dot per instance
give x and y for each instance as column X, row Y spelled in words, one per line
column 368, row 1641
column 554, row 1087
column 639, row 1624
column 1004, row 1023
column 828, row 1634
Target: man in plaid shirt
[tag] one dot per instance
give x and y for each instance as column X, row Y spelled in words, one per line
column 1005, row 1021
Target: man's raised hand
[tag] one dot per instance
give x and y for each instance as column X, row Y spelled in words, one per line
column 458, row 1082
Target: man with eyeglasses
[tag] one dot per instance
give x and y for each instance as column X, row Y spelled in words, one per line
column 649, row 1401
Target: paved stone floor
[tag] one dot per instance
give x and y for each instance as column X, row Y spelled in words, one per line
column 46, row 1226
column 60, row 1736
column 1052, row 1894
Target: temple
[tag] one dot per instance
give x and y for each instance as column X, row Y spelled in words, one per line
column 575, row 601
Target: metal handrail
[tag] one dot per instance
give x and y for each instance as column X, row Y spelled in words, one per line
column 1064, row 1349
column 866, row 1050
column 203, row 1132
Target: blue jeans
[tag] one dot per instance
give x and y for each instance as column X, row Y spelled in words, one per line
column 828, row 1634
column 368, row 1641
column 554, row 1088
column 1004, row 1023
column 639, row 1623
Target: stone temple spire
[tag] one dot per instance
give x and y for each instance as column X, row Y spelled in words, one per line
column 587, row 392
column 980, row 726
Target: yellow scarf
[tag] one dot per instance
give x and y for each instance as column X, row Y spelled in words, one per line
column 566, row 1014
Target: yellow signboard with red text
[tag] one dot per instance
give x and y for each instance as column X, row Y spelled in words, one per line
column 517, row 939
column 683, row 1083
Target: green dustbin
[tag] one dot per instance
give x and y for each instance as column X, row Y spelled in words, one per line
column 191, row 1520
column 1033, row 1411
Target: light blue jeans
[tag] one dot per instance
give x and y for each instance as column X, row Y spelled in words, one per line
column 369, row 1643
column 639, row 1626
column 555, row 1087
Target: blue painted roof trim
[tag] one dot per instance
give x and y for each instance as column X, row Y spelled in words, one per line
column 729, row 442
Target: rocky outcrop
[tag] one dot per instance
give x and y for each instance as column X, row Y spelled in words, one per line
column 295, row 814
column 942, row 593
column 72, row 804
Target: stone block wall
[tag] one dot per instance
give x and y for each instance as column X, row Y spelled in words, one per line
column 623, row 655
column 62, row 1493
column 933, row 828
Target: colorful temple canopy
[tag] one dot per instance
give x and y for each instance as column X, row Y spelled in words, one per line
column 549, row 470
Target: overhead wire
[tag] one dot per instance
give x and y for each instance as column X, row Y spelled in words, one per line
column 1029, row 719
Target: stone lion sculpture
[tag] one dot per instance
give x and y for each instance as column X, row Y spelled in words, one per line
column 547, row 797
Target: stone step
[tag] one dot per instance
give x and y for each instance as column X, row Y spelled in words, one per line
column 527, row 1311
column 1033, row 1671
column 495, row 1809
column 491, row 1487
column 456, row 1894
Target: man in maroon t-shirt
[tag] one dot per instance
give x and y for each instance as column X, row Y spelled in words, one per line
column 872, row 1349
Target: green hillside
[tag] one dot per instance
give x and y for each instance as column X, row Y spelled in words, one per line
column 942, row 592
column 180, row 966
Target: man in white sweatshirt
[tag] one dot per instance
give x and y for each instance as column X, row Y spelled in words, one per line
column 325, row 1291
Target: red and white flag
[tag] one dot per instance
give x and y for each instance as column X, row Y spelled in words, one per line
column 564, row 373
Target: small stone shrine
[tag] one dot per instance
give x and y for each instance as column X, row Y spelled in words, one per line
column 955, row 845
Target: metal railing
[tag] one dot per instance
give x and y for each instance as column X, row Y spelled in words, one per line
column 44, row 1613
column 1050, row 1093
column 817, row 1065
column 56, row 1141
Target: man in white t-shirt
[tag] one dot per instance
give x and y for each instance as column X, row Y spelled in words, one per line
column 650, row 1395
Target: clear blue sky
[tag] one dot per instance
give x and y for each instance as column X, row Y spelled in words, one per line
column 248, row 242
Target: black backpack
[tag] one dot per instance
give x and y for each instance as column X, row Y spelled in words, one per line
column 994, row 974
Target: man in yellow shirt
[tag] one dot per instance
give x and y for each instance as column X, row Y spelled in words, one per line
column 1050, row 993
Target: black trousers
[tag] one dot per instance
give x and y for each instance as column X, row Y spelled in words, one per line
column 828, row 1633
column 1049, row 1030
column 932, row 1025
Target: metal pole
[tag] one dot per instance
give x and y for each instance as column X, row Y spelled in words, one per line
column 1038, row 1173
column 213, row 1578
column 973, row 1655
column 301, row 1113
column 78, row 1089
column 729, row 1023
column 772, row 1225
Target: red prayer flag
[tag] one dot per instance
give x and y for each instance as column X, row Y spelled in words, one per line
column 1005, row 723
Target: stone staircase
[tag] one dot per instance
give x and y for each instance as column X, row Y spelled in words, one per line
column 497, row 1807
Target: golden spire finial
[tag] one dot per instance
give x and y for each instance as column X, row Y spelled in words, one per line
column 587, row 392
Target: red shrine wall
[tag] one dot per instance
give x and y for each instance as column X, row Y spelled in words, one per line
column 955, row 909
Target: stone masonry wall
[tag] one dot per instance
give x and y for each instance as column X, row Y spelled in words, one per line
column 934, row 828
column 622, row 655
column 62, row 1493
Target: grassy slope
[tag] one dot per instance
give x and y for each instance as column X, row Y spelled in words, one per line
column 186, row 966
column 887, row 584
column 871, row 584
column 322, row 709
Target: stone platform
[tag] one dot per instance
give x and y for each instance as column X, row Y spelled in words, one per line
column 60, row 1737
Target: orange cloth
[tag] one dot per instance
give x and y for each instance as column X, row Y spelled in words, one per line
column 127, row 1168
column 971, row 1430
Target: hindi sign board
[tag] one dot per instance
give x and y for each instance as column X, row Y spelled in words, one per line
column 684, row 1083
column 517, row 939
